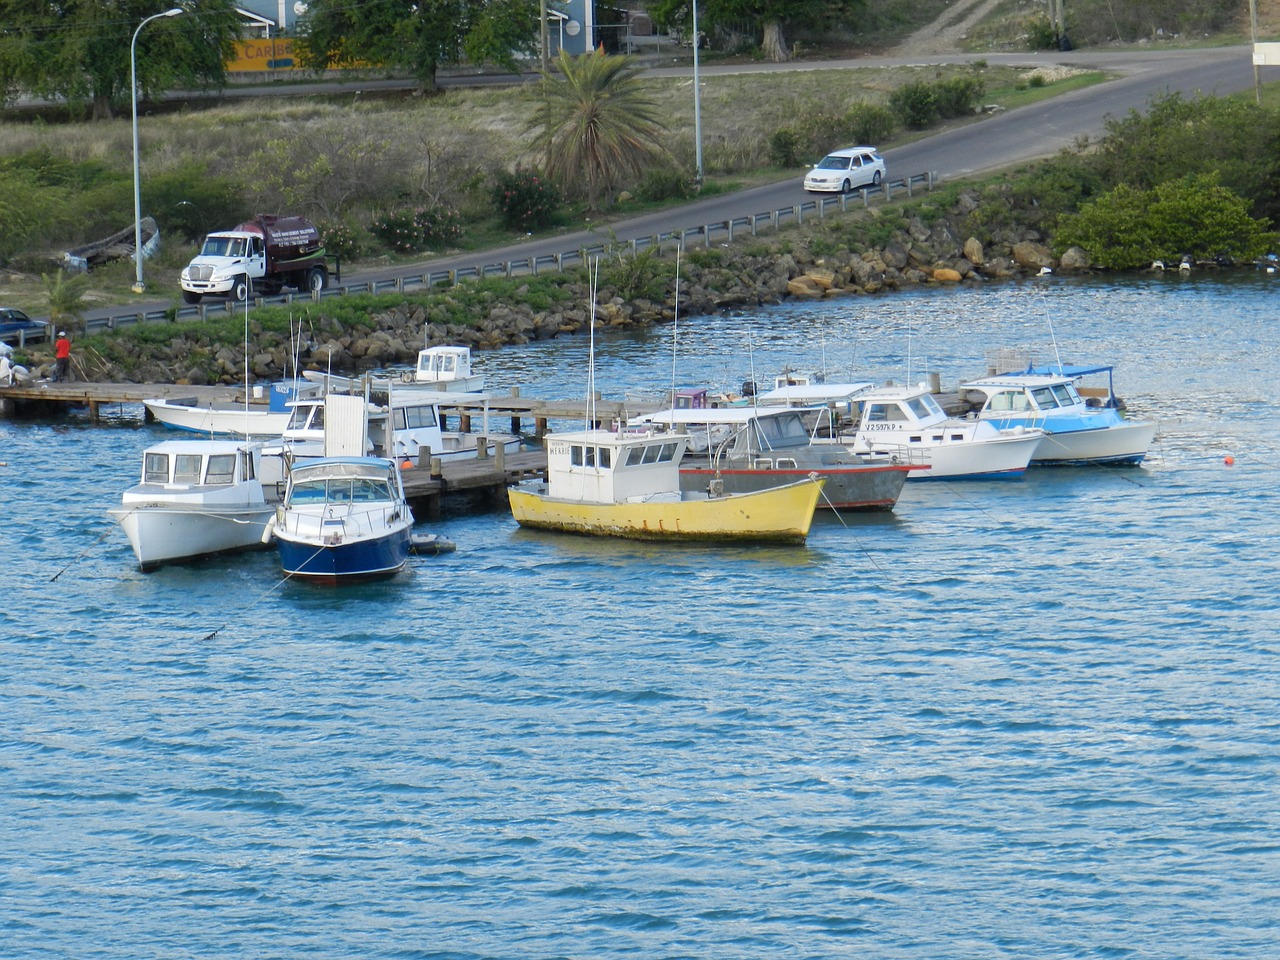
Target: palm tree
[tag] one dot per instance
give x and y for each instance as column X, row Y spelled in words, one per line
column 598, row 125
column 66, row 297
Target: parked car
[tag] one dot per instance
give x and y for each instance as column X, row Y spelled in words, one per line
column 16, row 326
column 845, row 170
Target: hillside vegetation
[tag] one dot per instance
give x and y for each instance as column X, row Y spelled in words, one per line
column 361, row 165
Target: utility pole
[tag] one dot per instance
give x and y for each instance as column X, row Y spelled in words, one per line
column 1253, row 34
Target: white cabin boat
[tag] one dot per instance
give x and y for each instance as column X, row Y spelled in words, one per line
column 262, row 417
column 627, row 484
column 196, row 498
column 447, row 368
column 907, row 422
column 443, row 369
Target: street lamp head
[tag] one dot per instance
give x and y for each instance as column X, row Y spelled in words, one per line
column 173, row 12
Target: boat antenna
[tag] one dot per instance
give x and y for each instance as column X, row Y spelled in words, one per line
column 248, row 423
column 675, row 327
column 1054, row 337
column 591, row 347
column 909, row 343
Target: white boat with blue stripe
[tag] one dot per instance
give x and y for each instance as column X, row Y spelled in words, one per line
column 1082, row 425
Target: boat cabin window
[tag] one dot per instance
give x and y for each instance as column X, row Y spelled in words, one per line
column 222, row 468
column 346, row 490
column 924, row 406
column 785, row 431
column 186, row 468
column 298, row 419
column 1044, row 398
column 581, row 456
column 884, row 413
column 652, row 453
column 155, row 468
column 1009, row 401
column 1066, row 394
column 312, row 491
column 412, row 418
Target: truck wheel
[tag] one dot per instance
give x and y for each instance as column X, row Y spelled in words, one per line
column 317, row 279
column 240, row 291
column 190, row 296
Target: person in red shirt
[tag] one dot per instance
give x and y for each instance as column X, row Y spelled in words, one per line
column 62, row 354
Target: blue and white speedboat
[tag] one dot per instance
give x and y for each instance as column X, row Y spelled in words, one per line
column 343, row 519
column 1079, row 429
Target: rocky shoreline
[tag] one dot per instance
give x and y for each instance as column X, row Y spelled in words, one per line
column 722, row 279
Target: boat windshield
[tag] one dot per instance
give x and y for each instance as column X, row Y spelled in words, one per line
column 187, row 468
column 788, row 431
column 155, row 468
column 884, row 412
column 222, row 468
column 925, row 406
column 1009, row 401
column 343, row 490
column 1045, row 398
column 1066, row 394
column 301, row 413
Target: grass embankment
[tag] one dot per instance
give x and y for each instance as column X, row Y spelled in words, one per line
column 341, row 149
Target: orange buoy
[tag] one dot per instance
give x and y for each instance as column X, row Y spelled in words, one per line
column 1229, row 460
column 406, row 465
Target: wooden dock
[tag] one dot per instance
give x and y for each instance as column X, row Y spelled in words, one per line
column 47, row 397
column 427, row 484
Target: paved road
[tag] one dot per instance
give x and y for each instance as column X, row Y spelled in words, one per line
column 999, row 141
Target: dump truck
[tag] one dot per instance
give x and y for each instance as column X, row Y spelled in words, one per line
column 267, row 254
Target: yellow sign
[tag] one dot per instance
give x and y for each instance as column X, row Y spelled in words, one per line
column 264, row 55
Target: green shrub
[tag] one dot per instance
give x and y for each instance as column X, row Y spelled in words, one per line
column 958, row 95
column 1040, row 34
column 868, row 123
column 413, row 230
column 525, row 200
column 916, row 103
column 666, row 183
column 784, row 148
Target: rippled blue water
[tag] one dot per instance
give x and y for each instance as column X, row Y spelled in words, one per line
column 1033, row 719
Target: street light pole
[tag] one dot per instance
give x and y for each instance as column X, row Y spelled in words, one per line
column 138, row 285
column 697, row 103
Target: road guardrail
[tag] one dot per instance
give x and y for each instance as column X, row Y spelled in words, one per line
column 705, row 234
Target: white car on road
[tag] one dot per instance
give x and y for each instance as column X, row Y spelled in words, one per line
column 845, row 170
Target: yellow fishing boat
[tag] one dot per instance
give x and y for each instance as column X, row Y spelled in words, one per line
column 626, row 483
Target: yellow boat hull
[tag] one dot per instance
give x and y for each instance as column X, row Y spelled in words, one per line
column 777, row 515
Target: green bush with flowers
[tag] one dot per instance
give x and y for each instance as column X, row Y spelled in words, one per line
column 415, row 229
column 525, row 200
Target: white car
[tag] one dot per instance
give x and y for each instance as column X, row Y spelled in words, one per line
column 845, row 170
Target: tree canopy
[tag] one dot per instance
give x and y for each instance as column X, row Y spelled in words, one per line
column 770, row 18
column 78, row 50
column 418, row 35
column 597, row 124
column 1193, row 215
